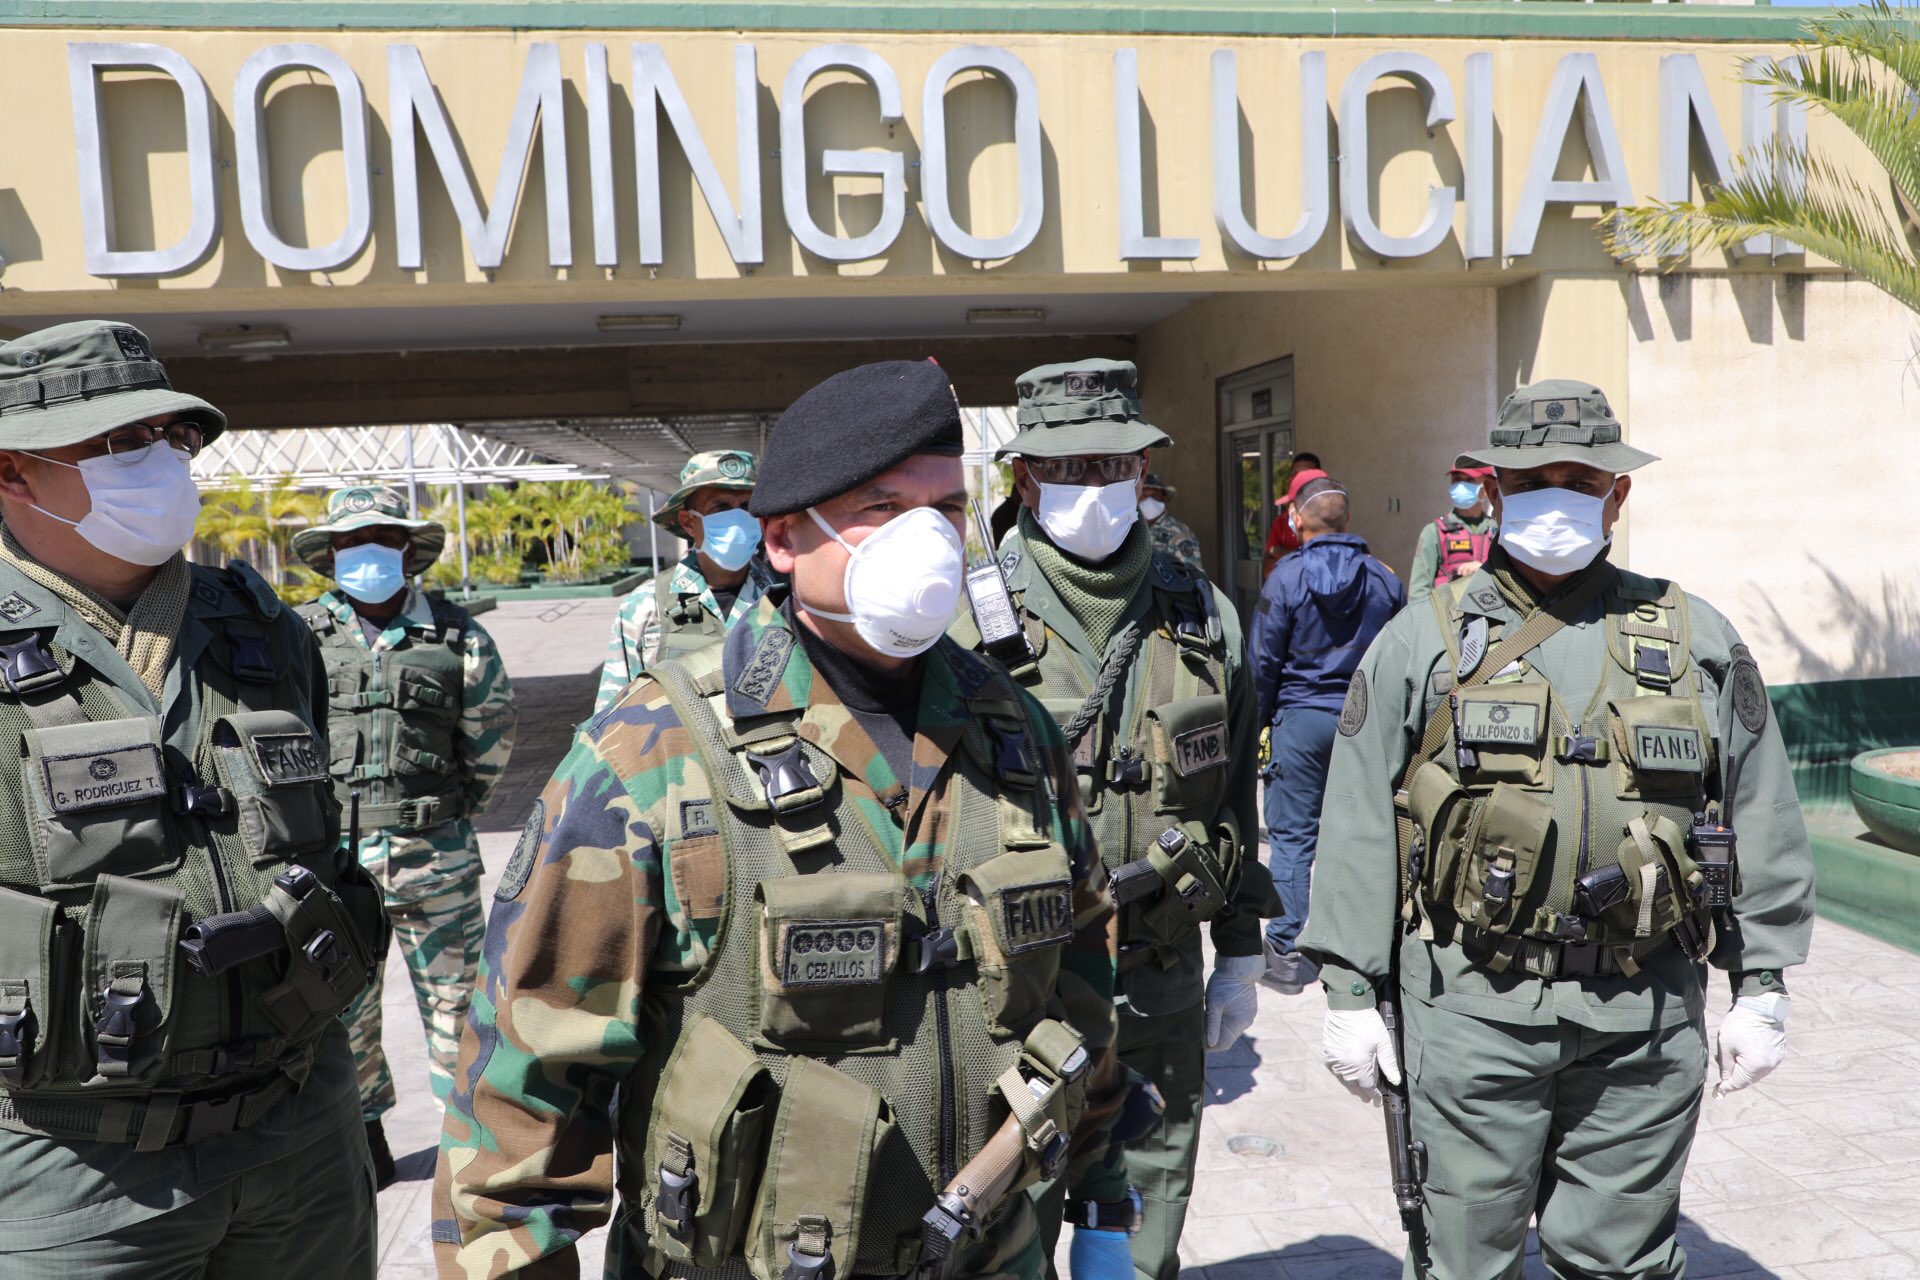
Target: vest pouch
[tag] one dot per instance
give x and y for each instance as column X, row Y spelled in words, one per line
column 1506, row 830
column 1506, row 726
column 273, row 763
column 1439, row 808
column 1020, row 916
column 828, row 942
column 96, row 799
column 133, row 929
column 327, row 960
column 35, row 990
column 1191, row 893
column 807, row 1218
column 1660, row 878
column 1187, row 742
column 1661, row 748
column 704, row 1146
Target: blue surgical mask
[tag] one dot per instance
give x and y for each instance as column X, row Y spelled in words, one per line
column 729, row 538
column 370, row 573
column 1464, row 494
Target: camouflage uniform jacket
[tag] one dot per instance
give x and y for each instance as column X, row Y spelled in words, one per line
column 419, row 865
column 635, row 641
column 602, row 900
column 1172, row 537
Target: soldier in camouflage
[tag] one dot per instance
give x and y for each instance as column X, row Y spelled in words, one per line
column 715, row 586
column 796, row 920
column 422, row 727
column 1171, row 536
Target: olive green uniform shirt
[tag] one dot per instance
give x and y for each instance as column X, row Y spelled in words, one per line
column 1426, row 552
column 1351, row 923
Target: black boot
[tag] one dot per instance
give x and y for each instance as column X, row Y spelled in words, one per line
column 384, row 1173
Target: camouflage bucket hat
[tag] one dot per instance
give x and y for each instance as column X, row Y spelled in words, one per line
column 1559, row 421
column 718, row 469
column 363, row 505
column 75, row 381
column 1087, row 407
column 1153, row 481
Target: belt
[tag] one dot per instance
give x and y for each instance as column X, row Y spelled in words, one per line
column 163, row 1118
column 416, row 814
column 1553, row 960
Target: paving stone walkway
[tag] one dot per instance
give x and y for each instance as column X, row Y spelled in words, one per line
column 1814, row 1175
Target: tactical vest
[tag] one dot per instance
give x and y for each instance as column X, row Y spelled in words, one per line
column 685, row 625
column 1541, row 826
column 394, row 719
column 1458, row 545
column 849, row 1043
column 176, row 924
column 1154, row 761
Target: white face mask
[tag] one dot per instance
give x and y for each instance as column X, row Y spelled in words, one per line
column 1152, row 509
column 1089, row 521
column 902, row 583
column 143, row 511
column 1552, row 530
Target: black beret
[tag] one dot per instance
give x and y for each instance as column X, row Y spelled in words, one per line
column 853, row 427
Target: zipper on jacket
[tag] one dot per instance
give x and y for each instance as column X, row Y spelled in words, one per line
column 1580, row 867
column 949, row 1120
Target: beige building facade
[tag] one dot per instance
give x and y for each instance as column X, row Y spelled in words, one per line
column 1350, row 230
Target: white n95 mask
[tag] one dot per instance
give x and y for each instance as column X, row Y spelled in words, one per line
column 1552, row 530
column 1089, row 521
column 143, row 511
column 902, row 583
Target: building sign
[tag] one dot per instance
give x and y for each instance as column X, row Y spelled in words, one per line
column 720, row 139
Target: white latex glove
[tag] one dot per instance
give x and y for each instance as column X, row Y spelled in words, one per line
column 1232, row 999
column 1359, row 1051
column 1752, row 1041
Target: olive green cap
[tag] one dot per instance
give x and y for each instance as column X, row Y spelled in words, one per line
column 716, row 469
column 1559, row 421
column 364, row 505
column 75, row 381
column 1087, row 407
column 1152, row 480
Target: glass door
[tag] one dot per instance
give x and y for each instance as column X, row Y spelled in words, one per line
column 1256, row 421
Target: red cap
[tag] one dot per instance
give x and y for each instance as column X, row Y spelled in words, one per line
column 1469, row 466
column 1300, row 481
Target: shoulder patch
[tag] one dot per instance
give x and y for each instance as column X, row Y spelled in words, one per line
column 14, row 607
column 697, row 818
column 520, row 866
column 1749, row 690
column 761, row 676
column 206, row 593
column 1486, row 599
column 1009, row 562
column 1354, row 714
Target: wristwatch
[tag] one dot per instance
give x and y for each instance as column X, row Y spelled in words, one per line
column 1108, row 1215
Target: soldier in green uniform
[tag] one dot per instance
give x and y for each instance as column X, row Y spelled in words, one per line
column 803, row 921
column 1454, row 545
column 1141, row 661
column 421, row 727
column 179, row 932
column 1591, row 804
column 1171, row 537
column 715, row 586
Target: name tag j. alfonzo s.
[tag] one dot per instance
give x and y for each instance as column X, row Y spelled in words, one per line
column 96, row 779
column 1499, row 723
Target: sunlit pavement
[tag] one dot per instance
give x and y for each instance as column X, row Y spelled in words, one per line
column 1814, row 1174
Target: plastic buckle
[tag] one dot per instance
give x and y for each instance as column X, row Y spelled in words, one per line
column 1652, row 667
column 1569, row 929
column 784, row 774
column 1582, row 961
column 1580, row 748
column 211, row 1119
column 252, row 659
column 937, row 949
column 17, row 1032
column 1190, row 628
column 1010, row 753
column 675, row 1202
column 27, row 663
column 196, row 801
column 1129, row 771
column 804, row 1266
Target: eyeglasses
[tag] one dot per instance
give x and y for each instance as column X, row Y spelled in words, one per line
column 130, row 444
column 1111, row 469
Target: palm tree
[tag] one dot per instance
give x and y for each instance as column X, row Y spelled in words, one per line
column 1862, row 67
column 231, row 518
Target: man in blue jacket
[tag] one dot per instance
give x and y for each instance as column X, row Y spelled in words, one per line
column 1318, row 612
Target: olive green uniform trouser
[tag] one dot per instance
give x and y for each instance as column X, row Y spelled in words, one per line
column 1588, row 1129
column 292, row 1217
column 1170, row 1050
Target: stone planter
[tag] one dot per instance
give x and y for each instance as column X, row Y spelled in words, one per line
column 1886, row 794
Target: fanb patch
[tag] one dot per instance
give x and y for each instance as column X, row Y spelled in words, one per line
column 1354, row 713
column 1669, row 749
column 1516, row 723
column 761, row 676
column 520, row 865
column 1202, row 748
column 289, row 757
column 832, row 953
column 696, row 818
column 95, row 779
column 1749, row 691
column 1035, row 915
column 14, row 606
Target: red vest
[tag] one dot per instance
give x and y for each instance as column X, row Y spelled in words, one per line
column 1458, row 546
